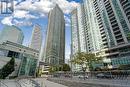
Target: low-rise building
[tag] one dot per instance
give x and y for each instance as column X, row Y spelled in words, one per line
column 25, row 58
column 43, row 68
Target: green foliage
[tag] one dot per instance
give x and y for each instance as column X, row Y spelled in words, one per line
column 124, row 67
column 63, row 67
column 7, row 69
column 51, row 70
column 66, row 67
column 85, row 60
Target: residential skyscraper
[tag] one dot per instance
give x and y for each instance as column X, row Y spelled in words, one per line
column 84, row 30
column 125, row 7
column 106, row 25
column 75, row 32
column 114, row 25
column 93, row 37
column 11, row 33
column 114, row 21
column 55, row 40
column 36, row 39
column 75, row 41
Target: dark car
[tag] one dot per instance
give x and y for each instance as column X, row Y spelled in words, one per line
column 69, row 76
column 104, row 75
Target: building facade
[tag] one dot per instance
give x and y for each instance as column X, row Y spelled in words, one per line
column 106, row 25
column 25, row 58
column 78, row 39
column 55, row 40
column 75, row 42
column 113, row 15
column 108, row 28
column 93, row 37
column 11, row 33
column 36, row 39
column 84, row 30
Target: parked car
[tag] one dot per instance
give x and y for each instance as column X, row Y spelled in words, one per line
column 82, row 76
column 104, row 75
column 100, row 75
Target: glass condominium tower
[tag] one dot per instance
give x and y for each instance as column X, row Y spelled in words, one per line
column 75, row 39
column 85, row 34
column 11, row 33
column 106, row 24
column 75, row 32
column 92, row 32
column 36, row 39
column 55, row 40
column 114, row 25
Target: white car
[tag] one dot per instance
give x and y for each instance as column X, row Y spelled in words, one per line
column 82, row 76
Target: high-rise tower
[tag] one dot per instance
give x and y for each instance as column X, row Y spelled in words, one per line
column 107, row 29
column 55, row 40
column 75, row 32
column 36, row 39
column 113, row 20
column 11, row 33
column 85, row 31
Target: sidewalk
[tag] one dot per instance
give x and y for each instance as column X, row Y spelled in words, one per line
column 46, row 83
column 26, row 83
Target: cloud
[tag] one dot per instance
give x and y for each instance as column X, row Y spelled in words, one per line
column 28, row 9
column 45, row 6
column 22, row 23
column 23, row 14
column 66, row 6
column 7, row 20
column 20, row 13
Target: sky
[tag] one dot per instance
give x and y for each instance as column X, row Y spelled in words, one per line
column 27, row 13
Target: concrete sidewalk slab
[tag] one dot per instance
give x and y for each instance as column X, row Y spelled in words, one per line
column 45, row 83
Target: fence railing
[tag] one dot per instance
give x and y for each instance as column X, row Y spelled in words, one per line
column 120, row 78
column 115, row 74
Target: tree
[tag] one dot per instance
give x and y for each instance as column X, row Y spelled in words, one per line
column 62, row 67
column 51, row 69
column 54, row 68
column 66, row 67
column 7, row 69
column 85, row 60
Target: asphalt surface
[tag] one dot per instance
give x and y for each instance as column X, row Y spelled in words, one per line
column 92, row 82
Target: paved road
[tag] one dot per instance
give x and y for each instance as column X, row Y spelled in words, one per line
column 111, row 82
column 43, row 82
